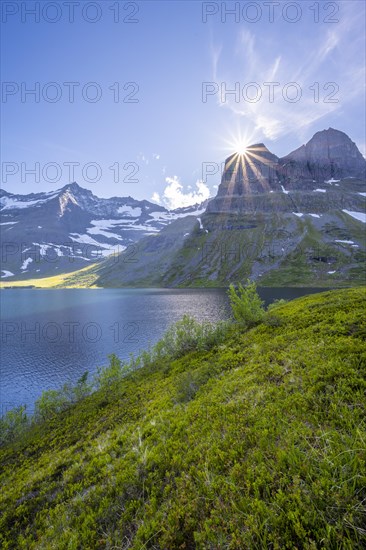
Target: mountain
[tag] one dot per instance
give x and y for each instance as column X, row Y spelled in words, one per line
column 280, row 221
column 45, row 234
column 275, row 228
column 329, row 154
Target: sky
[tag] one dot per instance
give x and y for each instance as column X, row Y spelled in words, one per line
column 147, row 99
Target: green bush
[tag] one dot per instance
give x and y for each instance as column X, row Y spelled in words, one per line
column 13, row 424
column 189, row 335
column 246, row 304
column 107, row 377
column 53, row 402
column 82, row 388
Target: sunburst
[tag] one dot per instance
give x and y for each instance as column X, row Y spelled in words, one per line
column 240, row 147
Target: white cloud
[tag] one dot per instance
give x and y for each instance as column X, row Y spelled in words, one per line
column 156, row 198
column 175, row 197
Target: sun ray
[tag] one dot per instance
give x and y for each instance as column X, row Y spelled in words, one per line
column 248, row 170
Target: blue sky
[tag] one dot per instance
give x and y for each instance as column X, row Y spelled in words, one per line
column 167, row 141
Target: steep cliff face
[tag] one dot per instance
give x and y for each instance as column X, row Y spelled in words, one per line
column 329, row 154
column 252, row 172
column 306, row 180
column 246, row 178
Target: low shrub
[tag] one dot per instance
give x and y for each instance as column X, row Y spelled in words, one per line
column 13, row 424
column 246, row 304
column 189, row 335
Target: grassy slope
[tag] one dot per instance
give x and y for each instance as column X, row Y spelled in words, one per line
column 257, row 444
column 82, row 278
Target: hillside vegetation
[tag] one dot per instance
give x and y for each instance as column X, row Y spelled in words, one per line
column 254, row 441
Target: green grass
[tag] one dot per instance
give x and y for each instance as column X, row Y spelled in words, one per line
column 82, row 278
column 258, row 443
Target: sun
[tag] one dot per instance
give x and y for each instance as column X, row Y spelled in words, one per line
column 240, row 145
column 238, row 141
column 240, row 148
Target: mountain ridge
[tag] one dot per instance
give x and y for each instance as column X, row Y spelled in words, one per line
column 287, row 218
column 46, row 233
column 274, row 226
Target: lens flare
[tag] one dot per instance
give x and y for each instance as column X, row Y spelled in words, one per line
column 240, row 147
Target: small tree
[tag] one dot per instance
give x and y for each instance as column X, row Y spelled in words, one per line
column 107, row 377
column 82, row 388
column 188, row 335
column 246, row 304
column 13, row 424
column 51, row 403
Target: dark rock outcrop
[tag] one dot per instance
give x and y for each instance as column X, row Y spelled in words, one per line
column 329, row 154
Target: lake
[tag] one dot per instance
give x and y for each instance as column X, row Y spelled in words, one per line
column 49, row 337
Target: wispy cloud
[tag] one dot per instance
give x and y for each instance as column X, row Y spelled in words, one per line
column 327, row 67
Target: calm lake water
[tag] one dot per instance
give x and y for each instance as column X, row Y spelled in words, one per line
column 50, row 337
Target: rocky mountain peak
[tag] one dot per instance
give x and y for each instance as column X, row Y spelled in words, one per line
column 250, row 177
column 254, row 172
column 329, row 153
column 76, row 190
column 67, row 198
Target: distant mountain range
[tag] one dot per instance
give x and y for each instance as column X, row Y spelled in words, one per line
column 45, row 234
column 296, row 220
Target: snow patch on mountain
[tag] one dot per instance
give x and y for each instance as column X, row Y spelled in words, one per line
column 26, row 263
column 360, row 216
column 11, row 203
column 6, row 274
column 102, row 227
column 103, row 248
column 130, row 211
column 172, row 215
